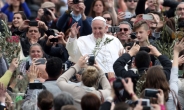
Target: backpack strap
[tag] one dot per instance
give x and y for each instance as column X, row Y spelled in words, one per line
column 177, row 104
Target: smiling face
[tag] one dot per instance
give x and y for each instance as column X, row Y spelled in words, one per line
column 36, row 52
column 99, row 28
column 125, row 31
column 17, row 20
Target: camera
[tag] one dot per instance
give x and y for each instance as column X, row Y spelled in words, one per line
column 35, row 86
column 46, row 12
column 75, row 1
column 133, row 35
column 91, row 60
column 33, row 23
column 151, row 93
column 118, row 86
column 54, row 40
column 113, row 29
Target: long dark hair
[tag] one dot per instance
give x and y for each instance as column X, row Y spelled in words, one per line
column 23, row 15
column 156, row 79
column 92, row 13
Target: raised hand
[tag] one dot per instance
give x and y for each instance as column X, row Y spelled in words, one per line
column 24, row 25
column 181, row 60
column 154, row 51
column 42, row 25
column 13, row 65
column 179, row 46
column 61, row 38
column 32, row 73
column 135, row 48
column 74, row 30
column 82, row 62
column 121, row 16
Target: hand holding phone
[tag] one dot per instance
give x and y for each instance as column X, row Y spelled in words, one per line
column 33, row 23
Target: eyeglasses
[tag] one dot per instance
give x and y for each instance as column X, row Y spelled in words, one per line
column 124, row 29
column 132, row 0
column 108, row 19
column 180, row 9
column 33, row 31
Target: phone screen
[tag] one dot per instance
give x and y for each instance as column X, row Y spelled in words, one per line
column 40, row 61
column 147, row 17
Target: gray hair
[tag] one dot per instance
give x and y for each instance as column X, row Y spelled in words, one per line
column 63, row 99
column 105, row 24
column 179, row 4
column 126, row 22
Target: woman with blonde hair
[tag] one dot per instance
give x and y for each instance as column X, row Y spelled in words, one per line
column 91, row 76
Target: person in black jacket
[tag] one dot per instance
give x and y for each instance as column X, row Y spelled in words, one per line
column 140, row 9
column 142, row 63
column 59, row 49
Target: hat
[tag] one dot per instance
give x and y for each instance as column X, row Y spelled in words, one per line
column 48, row 5
column 99, row 18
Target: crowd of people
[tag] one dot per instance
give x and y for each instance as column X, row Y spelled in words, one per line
column 93, row 55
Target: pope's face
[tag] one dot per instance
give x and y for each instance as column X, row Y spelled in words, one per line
column 99, row 28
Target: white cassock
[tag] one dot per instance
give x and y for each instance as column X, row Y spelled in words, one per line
column 85, row 45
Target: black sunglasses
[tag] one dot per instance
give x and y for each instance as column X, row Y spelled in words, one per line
column 108, row 19
column 132, row 0
column 124, row 29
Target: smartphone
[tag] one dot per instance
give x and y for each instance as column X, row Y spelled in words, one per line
column 64, row 66
column 91, row 60
column 33, row 23
column 144, row 49
column 151, row 93
column 54, row 40
column 40, row 61
column 128, row 15
column 35, row 86
column 147, row 17
column 144, row 102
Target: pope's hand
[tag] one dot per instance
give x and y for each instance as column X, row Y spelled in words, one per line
column 74, row 30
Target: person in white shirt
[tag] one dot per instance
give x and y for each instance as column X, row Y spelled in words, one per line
column 105, row 55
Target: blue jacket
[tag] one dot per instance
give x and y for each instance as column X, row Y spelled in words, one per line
column 65, row 22
column 10, row 14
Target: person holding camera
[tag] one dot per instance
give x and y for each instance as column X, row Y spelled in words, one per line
column 142, row 62
column 104, row 55
column 159, row 81
column 48, row 17
column 76, row 15
column 59, row 49
column 91, row 76
column 33, row 34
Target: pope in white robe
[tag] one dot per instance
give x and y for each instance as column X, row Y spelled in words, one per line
column 85, row 45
